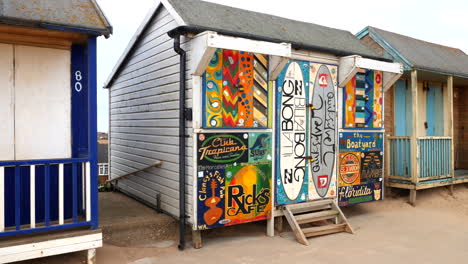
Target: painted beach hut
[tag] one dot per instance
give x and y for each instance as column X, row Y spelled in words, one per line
column 425, row 112
column 48, row 166
column 245, row 118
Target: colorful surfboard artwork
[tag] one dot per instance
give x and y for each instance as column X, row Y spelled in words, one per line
column 360, row 167
column 233, row 178
column 230, row 91
column 235, row 90
column 214, row 83
column 322, row 141
column 292, row 86
column 363, row 101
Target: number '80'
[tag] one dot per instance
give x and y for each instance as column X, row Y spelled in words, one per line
column 78, row 78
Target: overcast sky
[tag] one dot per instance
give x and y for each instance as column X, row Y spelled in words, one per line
column 442, row 22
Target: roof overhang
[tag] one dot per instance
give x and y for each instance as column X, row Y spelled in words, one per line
column 350, row 65
column 206, row 43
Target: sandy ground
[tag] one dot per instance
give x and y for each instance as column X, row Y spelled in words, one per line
column 391, row 231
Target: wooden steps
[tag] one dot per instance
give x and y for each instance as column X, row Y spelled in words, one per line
column 317, row 218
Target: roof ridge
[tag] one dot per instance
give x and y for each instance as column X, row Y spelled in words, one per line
column 268, row 14
column 419, row 40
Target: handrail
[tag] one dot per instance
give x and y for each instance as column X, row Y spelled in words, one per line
column 13, row 163
column 156, row 164
column 438, row 137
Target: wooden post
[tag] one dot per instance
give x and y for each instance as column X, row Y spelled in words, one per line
column 414, row 135
column 196, row 239
column 279, row 224
column 450, row 128
column 91, row 256
column 412, row 197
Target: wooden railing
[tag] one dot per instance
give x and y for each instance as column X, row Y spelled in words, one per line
column 400, row 156
column 43, row 195
column 433, row 157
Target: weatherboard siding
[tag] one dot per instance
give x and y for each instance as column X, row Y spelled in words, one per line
column 144, row 112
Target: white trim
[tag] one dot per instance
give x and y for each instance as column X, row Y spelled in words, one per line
column 50, row 248
column 197, row 102
column 60, row 194
column 88, row 191
column 32, row 192
column 173, row 13
column 2, row 199
column 206, row 43
column 350, row 65
column 139, row 32
column 83, row 185
column 271, row 222
column 276, row 65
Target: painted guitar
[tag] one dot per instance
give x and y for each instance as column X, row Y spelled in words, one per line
column 214, row 213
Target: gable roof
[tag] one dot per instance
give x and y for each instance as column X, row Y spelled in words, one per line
column 84, row 15
column 197, row 16
column 421, row 54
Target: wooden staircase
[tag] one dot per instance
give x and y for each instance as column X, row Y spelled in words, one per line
column 315, row 219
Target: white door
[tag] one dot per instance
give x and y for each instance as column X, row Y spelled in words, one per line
column 7, row 130
column 42, row 103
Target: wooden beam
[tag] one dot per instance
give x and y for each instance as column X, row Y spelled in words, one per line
column 57, row 34
column 450, row 123
column 27, row 40
column 414, row 136
column 196, row 239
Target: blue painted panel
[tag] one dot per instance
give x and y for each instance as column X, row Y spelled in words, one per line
column 400, row 109
column 438, row 110
column 79, row 109
column 92, row 128
column 409, row 112
column 430, row 109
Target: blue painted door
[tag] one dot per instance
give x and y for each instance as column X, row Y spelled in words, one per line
column 402, row 109
column 434, row 111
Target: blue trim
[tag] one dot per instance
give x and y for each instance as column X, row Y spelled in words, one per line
column 441, row 73
column 43, row 229
column 41, row 162
column 92, row 129
column 72, row 29
column 362, row 33
column 384, row 44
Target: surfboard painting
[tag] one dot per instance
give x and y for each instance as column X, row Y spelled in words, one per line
column 323, row 129
column 292, row 88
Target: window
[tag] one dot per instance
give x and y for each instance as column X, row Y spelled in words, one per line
column 236, row 90
column 103, row 169
column 35, row 102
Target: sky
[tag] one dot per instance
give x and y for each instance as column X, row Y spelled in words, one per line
column 442, row 22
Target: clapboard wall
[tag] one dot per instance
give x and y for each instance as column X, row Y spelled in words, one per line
column 144, row 118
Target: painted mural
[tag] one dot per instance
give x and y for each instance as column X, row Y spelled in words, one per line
column 322, row 141
column 363, row 101
column 360, row 167
column 233, row 178
column 292, row 86
column 236, row 90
